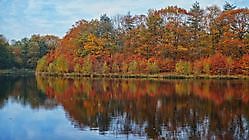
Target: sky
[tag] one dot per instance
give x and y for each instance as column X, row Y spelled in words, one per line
column 22, row 18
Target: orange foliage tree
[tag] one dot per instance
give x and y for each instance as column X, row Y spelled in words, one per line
column 210, row 41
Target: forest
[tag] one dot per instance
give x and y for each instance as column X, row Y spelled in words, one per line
column 173, row 40
column 24, row 53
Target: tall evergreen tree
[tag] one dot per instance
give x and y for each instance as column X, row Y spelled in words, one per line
column 196, row 18
column 228, row 6
column 196, row 28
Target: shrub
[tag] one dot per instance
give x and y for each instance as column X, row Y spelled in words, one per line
column 229, row 63
column 105, row 68
column 201, row 66
column 132, row 67
column 61, row 65
column 152, row 67
column 51, row 68
column 115, row 68
column 245, row 64
column 42, row 65
column 206, row 68
column 77, row 68
column 183, row 68
column 218, row 63
column 167, row 65
column 87, row 67
column 124, row 68
column 197, row 67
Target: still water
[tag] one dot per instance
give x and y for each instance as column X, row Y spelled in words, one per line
column 56, row 108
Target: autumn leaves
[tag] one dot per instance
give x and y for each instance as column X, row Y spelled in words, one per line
column 172, row 40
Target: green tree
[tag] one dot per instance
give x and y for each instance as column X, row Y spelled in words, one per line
column 196, row 28
column 6, row 58
column 61, row 65
column 152, row 67
column 87, row 66
column 133, row 67
column 42, row 65
column 105, row 68
column 183, row 68
column 227, row 6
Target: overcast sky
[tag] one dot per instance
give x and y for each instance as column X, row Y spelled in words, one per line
column 22, row 18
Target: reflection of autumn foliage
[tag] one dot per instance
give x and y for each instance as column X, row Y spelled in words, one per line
column 151, row 108
column 222, row 91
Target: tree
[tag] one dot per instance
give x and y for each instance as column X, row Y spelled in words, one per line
column 153, row 35
column 152, row 67
column 218, row 64
column 196, row 27
column 6, row 58
column 213, row 28
column 227, row 6
column 245, row 64
column 106, row 31
column 105, row 27
column 61, row 65
column 128, row 22
column 27, row 51
column 170, row 39
column 42, row 65
column 233, row 24
column 196, row 18
column 87, row 66
column 176, row 35
column 183, row 67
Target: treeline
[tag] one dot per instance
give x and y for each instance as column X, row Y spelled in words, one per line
column 26, row 52
column 169, row 40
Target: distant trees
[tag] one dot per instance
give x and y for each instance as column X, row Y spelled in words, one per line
column 26, row 52
column 171, row 39
column 6, row 59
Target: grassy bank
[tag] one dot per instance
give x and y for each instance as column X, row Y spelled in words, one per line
column 145, row 76
column 17, row 72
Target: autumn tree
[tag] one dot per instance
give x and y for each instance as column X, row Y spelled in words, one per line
column 234, row 32
column 213, row 29
column 175, row 36
column 171, row 39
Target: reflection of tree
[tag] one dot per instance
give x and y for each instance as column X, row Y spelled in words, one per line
column 23, row 90
column 4, row 90
column 175, row 109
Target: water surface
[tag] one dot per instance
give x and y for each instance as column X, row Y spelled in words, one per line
column 57, row 108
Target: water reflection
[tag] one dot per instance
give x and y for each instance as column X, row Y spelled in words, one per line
column 23, row 90
column 154, row 109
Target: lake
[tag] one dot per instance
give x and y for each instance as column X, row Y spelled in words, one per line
column 56, row 108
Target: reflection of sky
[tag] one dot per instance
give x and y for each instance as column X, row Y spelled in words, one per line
column 21, row 122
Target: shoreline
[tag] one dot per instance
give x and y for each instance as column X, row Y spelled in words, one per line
column 17, row 72
column 29, row 72
column 142, row 76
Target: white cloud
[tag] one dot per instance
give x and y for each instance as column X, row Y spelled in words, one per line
column 22, row 18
